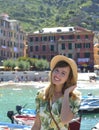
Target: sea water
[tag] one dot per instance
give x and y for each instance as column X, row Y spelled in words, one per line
column 24, row 95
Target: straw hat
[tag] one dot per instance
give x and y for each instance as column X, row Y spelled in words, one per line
column 70, row 61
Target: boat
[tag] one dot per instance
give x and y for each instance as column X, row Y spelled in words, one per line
column 73, row 125
column 96, row 127
column 22, row 116
column 89, row 104
column 10, row 126
column 27, row 117
column 24, row 119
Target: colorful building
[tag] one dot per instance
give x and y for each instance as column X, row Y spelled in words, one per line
column 11, row 38
column 96, row 54
column 74, row 42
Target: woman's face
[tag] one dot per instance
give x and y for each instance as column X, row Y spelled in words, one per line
column 60, row 75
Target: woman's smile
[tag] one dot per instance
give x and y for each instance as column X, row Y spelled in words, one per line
column 56, row 78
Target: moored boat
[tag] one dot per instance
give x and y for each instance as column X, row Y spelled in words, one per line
column 29, row 116
column 90, row 104
column 22, row 116
column 96, row 127
column 10, row 126
column 24, row 119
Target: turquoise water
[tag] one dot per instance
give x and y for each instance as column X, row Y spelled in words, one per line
column 89, row 120
column 12, row 95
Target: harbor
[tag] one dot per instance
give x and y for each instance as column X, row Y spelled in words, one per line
column 23, row 93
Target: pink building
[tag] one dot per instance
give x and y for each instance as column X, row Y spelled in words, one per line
column 74, row 42
column 11, row 38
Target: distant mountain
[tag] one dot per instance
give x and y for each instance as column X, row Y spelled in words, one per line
column 37, row 14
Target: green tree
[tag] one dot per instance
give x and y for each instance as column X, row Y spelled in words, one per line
column 41, row 64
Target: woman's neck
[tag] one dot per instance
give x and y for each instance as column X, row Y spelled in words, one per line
column 57, row 93
column 56, row 96
column 58, row 89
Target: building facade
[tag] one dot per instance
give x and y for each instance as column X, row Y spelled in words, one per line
column 73, row 42
column 11, row 38
column 96, row 54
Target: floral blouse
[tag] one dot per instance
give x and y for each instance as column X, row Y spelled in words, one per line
column 42, row 109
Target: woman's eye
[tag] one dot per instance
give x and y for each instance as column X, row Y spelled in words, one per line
column 56, row 70
column 63, row 74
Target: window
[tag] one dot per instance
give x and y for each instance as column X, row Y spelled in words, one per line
column 79, row 45
column 70, row 55
column 70, row 46
column 31, row 48
column 87, row 55
column 36, row 39
column 59, row 30
column 86, row 36
column 78, row 36
column 44, row 57
column 62, row 37
column 52, row 47
column 51, row 38
column 43, row 48
column 78, row 55
column 71, row 36
column 86, row 45
column 31, row 39
column 44, row 38
column 63, row 46
column 36, row 48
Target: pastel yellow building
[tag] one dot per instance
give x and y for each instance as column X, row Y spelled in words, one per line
column 96, row 54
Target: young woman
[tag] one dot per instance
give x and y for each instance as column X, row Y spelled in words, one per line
column 60, row 97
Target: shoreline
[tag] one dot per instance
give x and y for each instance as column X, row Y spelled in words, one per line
column 81, row 84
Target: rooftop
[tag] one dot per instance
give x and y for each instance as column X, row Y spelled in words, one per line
column 56, row 30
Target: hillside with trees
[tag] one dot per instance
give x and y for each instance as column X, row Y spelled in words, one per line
column 37, row 14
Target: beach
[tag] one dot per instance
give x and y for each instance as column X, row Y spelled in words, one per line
column 83, row 80
column 20, row 76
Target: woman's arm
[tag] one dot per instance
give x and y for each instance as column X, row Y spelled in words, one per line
column 66, row 113
column 37, row 123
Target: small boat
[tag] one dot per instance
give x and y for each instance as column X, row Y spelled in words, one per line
column 24, row 119
column 28, row 111
column 27, row 117
column 90, row 104
column 10, row 126
column 22, row 116
column 96, row 127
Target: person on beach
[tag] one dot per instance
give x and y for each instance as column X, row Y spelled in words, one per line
column 57, row 104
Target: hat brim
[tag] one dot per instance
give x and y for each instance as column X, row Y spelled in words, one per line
column 70, row 61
